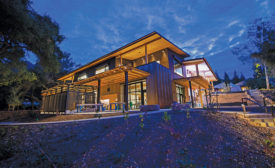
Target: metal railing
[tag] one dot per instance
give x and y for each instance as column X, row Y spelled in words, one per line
column 264, row 107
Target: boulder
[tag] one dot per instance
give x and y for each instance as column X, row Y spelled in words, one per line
column 178, row 107
column 144, row 108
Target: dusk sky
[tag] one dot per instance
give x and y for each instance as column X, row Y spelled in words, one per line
column 202, row 28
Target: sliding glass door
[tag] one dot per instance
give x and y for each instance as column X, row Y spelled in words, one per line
column 137, row 94
column 180, row 94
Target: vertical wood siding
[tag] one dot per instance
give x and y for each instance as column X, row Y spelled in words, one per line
column 158, row 84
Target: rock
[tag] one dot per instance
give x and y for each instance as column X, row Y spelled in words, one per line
column 145, row 108
column 178, row 107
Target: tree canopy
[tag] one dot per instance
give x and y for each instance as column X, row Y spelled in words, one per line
column 262, row 36
column 260, row 47
column 226, row 78
column 23, row 31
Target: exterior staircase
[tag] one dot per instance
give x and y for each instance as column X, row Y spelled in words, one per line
column 257, row 96
column 259, row 119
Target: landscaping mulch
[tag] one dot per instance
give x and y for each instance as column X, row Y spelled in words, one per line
column 177, row 139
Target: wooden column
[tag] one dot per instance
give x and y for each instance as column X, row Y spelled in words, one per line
column 72, row 79
column 67, row 110
column 142, row 93
column 43, row 104
column 191, row 94
column 200, row 93
column 98, row 91
column 197, row 69
column 184, row 71
column 212, row 84
column 120, row 58
column 126, row 91
column 146, row 56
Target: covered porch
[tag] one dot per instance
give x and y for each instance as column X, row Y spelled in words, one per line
column 194, row 89
column 110, row 91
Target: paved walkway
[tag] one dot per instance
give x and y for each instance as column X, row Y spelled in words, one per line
column 231, row 111
column 89, row 119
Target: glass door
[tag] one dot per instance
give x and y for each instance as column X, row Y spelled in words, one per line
column 137, row 94
column 180, row 94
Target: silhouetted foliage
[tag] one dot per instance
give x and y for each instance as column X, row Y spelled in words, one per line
column 260, row 47
column 219, row 80
column 23, row 31
column 235, row 78
column 242, row 78
column 226, row 78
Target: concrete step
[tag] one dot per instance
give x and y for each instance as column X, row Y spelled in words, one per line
column 256, row 115
column 267, row 121
column 262, row 124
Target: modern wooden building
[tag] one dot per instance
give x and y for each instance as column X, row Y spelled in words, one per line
column 150, row 70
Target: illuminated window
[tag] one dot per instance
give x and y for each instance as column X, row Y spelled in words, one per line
column 177, row 67
column 180, row 94
column 101, row 69
column 82, row 76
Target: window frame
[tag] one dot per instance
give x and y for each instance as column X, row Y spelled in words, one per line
column 102, row 68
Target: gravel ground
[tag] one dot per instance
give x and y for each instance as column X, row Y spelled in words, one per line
column 201, row 140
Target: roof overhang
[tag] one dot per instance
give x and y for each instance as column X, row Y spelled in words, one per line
column 153, row 42
column 200, row 61
column 200, row 81
column 116, row 75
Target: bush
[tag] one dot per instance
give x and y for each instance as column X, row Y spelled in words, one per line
column 32, row 114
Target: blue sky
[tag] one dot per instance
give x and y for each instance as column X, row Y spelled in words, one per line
column 203, row 28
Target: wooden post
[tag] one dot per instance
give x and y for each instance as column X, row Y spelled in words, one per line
column 126, row 91
column 68, row 100
column 42, row 104
column 120, row 60
column 197, row 70
column 98, row 91
column 142, row 93
column 200, row 93
column 146, row 56
column 191, row 93
column 212, row 84
column 72, row 79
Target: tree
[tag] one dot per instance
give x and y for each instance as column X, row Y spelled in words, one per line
column 219, row 80
column 23, row 31
column 260, row 46
column 226, row 78
column 262, row 35
column 235, row 78
column 242, row 78
column 258, row 71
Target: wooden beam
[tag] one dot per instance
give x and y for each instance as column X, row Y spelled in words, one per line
column 141, row 45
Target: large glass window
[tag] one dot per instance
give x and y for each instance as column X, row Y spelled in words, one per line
column 101, row 69
column 137, row 94
column 177, row 67
column 82, row 76
column 180, row 94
